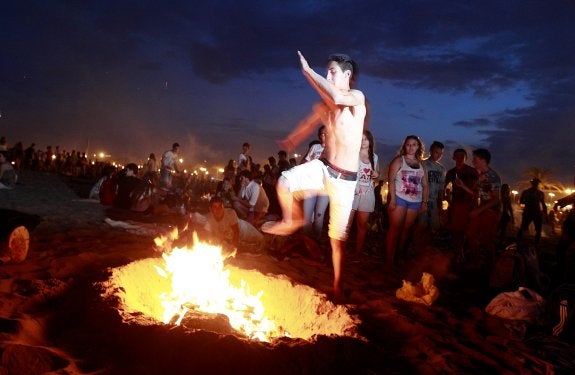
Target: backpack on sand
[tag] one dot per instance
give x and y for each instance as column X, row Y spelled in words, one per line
column 508, row 270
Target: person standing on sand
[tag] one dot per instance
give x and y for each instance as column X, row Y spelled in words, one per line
column 364, row 198
column 244, row 159
column 151, row 172
column 430, row 219
column 408, row 197
column 482, row 227
column 169, row 165
column 534, row 209
column 343, row 111
column 7, row 173
column 463, row 179
column 314, row 205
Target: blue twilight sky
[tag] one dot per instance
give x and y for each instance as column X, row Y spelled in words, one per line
column 132, row 77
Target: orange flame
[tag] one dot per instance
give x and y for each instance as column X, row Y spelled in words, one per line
column 200, row 281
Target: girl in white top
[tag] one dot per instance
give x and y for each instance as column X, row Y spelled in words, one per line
column 315, row 203
column 408, row 193
column 364, row 198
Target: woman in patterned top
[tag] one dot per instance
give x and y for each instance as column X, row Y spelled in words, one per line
column 408, row 194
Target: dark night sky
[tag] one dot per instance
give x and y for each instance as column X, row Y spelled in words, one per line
column 132, row 77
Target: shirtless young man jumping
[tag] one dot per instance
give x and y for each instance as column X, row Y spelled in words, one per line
column 342, row 111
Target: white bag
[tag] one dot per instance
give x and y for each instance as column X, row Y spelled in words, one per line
column 523, row 304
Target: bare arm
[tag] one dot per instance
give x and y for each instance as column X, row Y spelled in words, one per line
column 327, row 91
column 425, row 192
column 543, row 205
column 304, row 129
column 493, row 202
column 375, row 172
column 393, row 169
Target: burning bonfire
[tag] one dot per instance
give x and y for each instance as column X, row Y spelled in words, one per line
column 195, row 288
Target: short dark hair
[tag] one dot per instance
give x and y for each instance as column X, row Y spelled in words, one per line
column 216, row 199
column 457, row 150
column 345, row 63
column 247, row 174
column 176, row 144
column 483, row 153
column 282, row 152
column 320, row 130
column 436, row 144
column 246, row 144
column 132, row 167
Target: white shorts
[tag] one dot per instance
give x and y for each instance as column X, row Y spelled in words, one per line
column 314, row 175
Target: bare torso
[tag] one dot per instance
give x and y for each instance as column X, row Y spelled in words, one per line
column 344, row 135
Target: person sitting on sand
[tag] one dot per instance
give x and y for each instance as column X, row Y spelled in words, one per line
column 252, row 203
column 127, row 182
column 7, row 173
column 227, row 229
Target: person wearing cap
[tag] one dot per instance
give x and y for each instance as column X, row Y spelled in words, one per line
column 534, row 209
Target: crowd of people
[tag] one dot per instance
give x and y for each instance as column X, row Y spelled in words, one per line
column 338, row 181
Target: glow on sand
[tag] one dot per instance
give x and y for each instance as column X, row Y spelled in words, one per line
column 262, row 307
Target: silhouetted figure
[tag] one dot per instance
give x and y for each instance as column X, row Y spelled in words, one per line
column 534, row 210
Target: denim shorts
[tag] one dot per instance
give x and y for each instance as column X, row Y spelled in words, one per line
column 407, row 204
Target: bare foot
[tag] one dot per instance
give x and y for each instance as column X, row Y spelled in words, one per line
column 281, row 228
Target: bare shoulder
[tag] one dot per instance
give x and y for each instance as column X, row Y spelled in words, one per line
column 395, row 161
column 358, row 95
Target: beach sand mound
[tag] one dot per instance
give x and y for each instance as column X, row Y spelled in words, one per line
column 53, row 318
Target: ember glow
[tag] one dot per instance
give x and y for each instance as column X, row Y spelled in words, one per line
column 197, row 288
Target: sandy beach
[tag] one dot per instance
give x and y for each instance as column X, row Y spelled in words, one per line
column 54, row 320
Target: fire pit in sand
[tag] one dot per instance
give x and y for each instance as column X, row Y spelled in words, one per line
column 194, row 288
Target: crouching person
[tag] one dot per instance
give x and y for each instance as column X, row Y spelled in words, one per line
column 252, row 203
column 227, row 229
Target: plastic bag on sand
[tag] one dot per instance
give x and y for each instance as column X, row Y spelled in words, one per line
column 423, row 292
column 523, row 304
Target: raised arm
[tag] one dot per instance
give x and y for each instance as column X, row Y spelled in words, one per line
column 331, row 95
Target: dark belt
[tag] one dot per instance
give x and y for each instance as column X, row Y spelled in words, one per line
column 336, row 172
